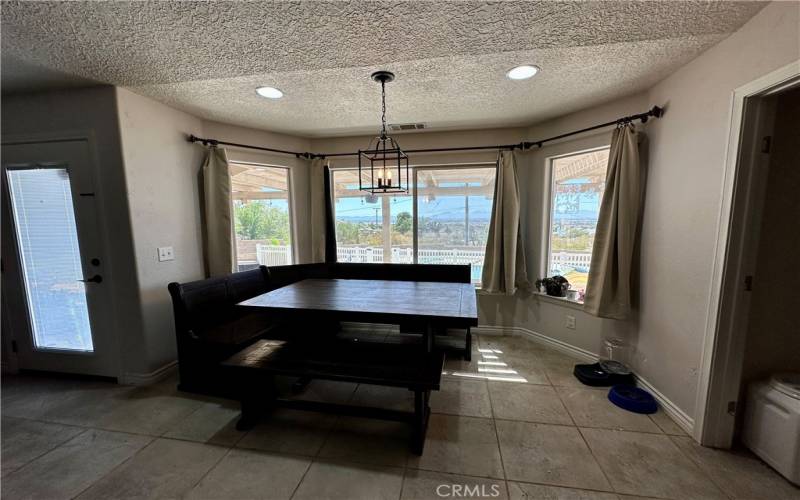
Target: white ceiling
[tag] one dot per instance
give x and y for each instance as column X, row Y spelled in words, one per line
column 450, row 57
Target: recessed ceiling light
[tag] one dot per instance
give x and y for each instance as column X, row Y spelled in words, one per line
column 522, row 72
column 269, row 92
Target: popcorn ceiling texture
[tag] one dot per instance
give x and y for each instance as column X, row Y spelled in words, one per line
column 450, row 57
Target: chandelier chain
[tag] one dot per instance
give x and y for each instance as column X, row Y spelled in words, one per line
column 383, row 109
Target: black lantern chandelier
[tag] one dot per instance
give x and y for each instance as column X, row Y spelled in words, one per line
column 383, row 166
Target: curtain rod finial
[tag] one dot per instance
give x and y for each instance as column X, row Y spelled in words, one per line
column 657, row 111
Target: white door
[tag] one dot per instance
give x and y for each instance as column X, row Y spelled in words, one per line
column 55, row 291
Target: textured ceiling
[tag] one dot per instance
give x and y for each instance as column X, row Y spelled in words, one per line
column 450, row 57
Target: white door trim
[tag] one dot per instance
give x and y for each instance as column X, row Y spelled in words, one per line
column 718, row 355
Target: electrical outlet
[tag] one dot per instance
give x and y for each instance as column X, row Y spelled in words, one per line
column 165, row 253
column 570, row 322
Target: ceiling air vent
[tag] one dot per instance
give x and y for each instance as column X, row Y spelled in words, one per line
column 399, row 127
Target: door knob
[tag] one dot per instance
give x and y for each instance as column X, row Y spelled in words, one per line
column 94, row 279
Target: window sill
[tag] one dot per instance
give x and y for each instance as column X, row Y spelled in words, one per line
column 562, row 301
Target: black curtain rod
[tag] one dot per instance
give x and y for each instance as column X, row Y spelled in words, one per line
column 655, row 112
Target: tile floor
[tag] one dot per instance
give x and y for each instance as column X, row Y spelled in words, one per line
column 511, row 424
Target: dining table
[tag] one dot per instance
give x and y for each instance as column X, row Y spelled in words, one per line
column 426, row 306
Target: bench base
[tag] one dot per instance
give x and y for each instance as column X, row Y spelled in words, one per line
column 255, row 407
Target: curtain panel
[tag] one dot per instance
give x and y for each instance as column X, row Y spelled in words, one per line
column 609, row 288
column 504, row 268
column 218, row 237
column 323, row 232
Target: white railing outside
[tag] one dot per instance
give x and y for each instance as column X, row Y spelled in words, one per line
column 561, row 261
column 273, row 255
column 279, row 255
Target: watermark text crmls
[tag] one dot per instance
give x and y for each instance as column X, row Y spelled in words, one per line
column 468, row 490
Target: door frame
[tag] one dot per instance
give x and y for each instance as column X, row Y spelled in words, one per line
column 723, row 344
column 88, row 136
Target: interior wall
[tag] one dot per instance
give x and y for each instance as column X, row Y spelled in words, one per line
column 162, row 174
column 773, row 342
column 683, row 198
column 91, row 112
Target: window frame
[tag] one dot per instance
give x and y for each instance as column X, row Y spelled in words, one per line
column 548, row 200
column 415, row 169
column 289, row 203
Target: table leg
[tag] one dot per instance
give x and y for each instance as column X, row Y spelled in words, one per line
column 256, row 396
column 421, row 414
column 428, row 337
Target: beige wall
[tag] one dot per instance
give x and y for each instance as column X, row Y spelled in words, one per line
column 161, row 171
column 683, row 198
column 773, row 337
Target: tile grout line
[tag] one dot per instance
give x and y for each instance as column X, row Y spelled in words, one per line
column 698, row 465
column 121, row 464
column 54, row 448
column 207, row 472
column 302, row 478
column 597, row 462
column 497, row 435
column 403, row 481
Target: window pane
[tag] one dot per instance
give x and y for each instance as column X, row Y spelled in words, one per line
column 51, row 261
column 371, row 228
column 578, row 184
column 454, row 208
column 261, row 215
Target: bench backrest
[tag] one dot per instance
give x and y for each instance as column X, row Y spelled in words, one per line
column 284, row 275
column 211, row 301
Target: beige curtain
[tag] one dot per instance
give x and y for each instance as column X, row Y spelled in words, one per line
column 219, row 230
column 317, row 199
column 608, row 290
column 504, row 267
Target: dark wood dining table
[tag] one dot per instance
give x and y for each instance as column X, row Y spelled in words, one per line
column 428, row 305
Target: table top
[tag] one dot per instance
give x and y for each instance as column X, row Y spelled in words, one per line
column 376, row 300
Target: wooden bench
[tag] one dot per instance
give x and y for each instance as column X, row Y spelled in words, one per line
column 253, row 370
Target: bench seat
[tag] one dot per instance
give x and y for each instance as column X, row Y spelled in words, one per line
column 253, row 370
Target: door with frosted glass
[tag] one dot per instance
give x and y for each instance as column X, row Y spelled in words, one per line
column 55, row 289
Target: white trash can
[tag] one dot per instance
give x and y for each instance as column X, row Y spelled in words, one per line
column 772, row 423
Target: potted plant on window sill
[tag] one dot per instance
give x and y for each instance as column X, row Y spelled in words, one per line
column 555, row 286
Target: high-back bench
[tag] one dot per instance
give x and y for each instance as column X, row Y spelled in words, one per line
column 209, row 327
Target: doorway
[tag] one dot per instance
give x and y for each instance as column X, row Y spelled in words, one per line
column 761, row 127
column 56, row 300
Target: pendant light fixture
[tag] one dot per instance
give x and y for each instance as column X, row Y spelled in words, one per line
column 383, row 166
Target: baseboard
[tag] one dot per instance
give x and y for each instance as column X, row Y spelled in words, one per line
column 679, row 416
column 539, row 338
column 149, row 378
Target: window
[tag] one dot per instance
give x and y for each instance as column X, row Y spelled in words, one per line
column 261, row 215
column 47, row 234
column 445, row 220
column 578, row 182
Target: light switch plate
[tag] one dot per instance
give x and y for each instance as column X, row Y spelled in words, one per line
column 165, row 253
column 570, row 322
